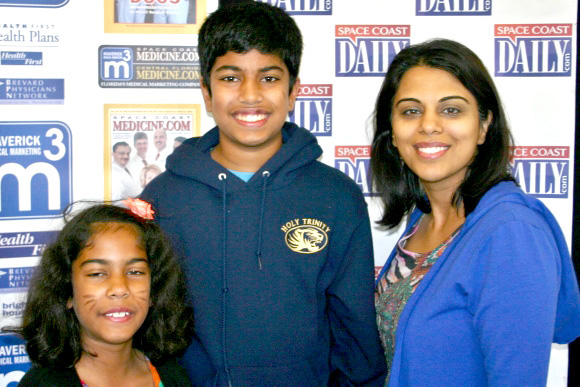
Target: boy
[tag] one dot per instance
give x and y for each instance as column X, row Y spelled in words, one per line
column 276, row 245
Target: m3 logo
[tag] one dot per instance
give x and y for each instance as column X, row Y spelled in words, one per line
column 116, row 63
column 35, row 169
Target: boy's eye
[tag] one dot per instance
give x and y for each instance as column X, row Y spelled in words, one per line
column 270, row 78
column 229, row 78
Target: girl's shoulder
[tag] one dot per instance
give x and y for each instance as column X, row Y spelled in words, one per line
column 172, row 373
column 50, row 377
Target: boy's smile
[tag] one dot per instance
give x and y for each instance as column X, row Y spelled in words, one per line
column 250, row 100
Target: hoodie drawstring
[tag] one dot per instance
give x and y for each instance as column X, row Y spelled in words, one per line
column 265, row 175
column 223, row 177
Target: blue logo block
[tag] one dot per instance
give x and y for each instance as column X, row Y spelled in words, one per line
column 116, row 63
column 20, row 58
column 303, row 7
column 31, row 91
column 14, row 361
column 453, row 7
column 35, row 169
column 542, row 178
column 15, row 278
column 533, row 57
column 25, row 244
column 355, row 162
column 367, row 57
column 314, row 114
column 33, row 3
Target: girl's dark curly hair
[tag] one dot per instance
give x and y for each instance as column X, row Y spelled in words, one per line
column 52, row 331
column 398, row 187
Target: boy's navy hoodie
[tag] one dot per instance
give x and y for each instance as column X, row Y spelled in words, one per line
column 280, row 268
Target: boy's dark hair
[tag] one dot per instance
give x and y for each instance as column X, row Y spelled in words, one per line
column 52, row 331
column 245, row 26
column 397, row 185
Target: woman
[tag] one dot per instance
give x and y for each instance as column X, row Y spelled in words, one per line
column 149, row 173
column 481, row 283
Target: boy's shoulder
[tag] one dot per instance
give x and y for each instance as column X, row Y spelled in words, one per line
column 329, row 178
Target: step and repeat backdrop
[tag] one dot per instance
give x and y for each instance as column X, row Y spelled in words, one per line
column 94, row 95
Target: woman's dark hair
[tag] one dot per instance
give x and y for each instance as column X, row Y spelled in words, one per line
column 397, row 185
column 244, row 26
column 52, row 331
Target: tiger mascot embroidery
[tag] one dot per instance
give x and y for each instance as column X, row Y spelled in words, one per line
column 306, row 240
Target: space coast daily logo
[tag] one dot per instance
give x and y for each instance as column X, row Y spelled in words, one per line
column 533, row 50
column 305, row 235
column 313, row 109
column 302, row 7
column 368, row 50
column 355, row 162
column 542, row 171
column 33, row 3
column 453, row 7
column 35, row 169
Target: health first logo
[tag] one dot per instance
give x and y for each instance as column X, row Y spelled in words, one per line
column 313, row 109
column 368, row 50
column 35, row 169
column 533, row 50
column 453, row 7
column 355, row 162
column 303, row 7
column 542, row 171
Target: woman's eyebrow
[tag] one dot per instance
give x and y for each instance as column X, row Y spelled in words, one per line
column 407, row 100
column 453, row 97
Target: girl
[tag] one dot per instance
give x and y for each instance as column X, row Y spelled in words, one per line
column 481, row 283
column 107, row 305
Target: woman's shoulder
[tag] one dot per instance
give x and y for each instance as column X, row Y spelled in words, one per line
column 506, row 202
column 50, row 377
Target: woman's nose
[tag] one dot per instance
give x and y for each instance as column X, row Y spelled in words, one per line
column 430, row 122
